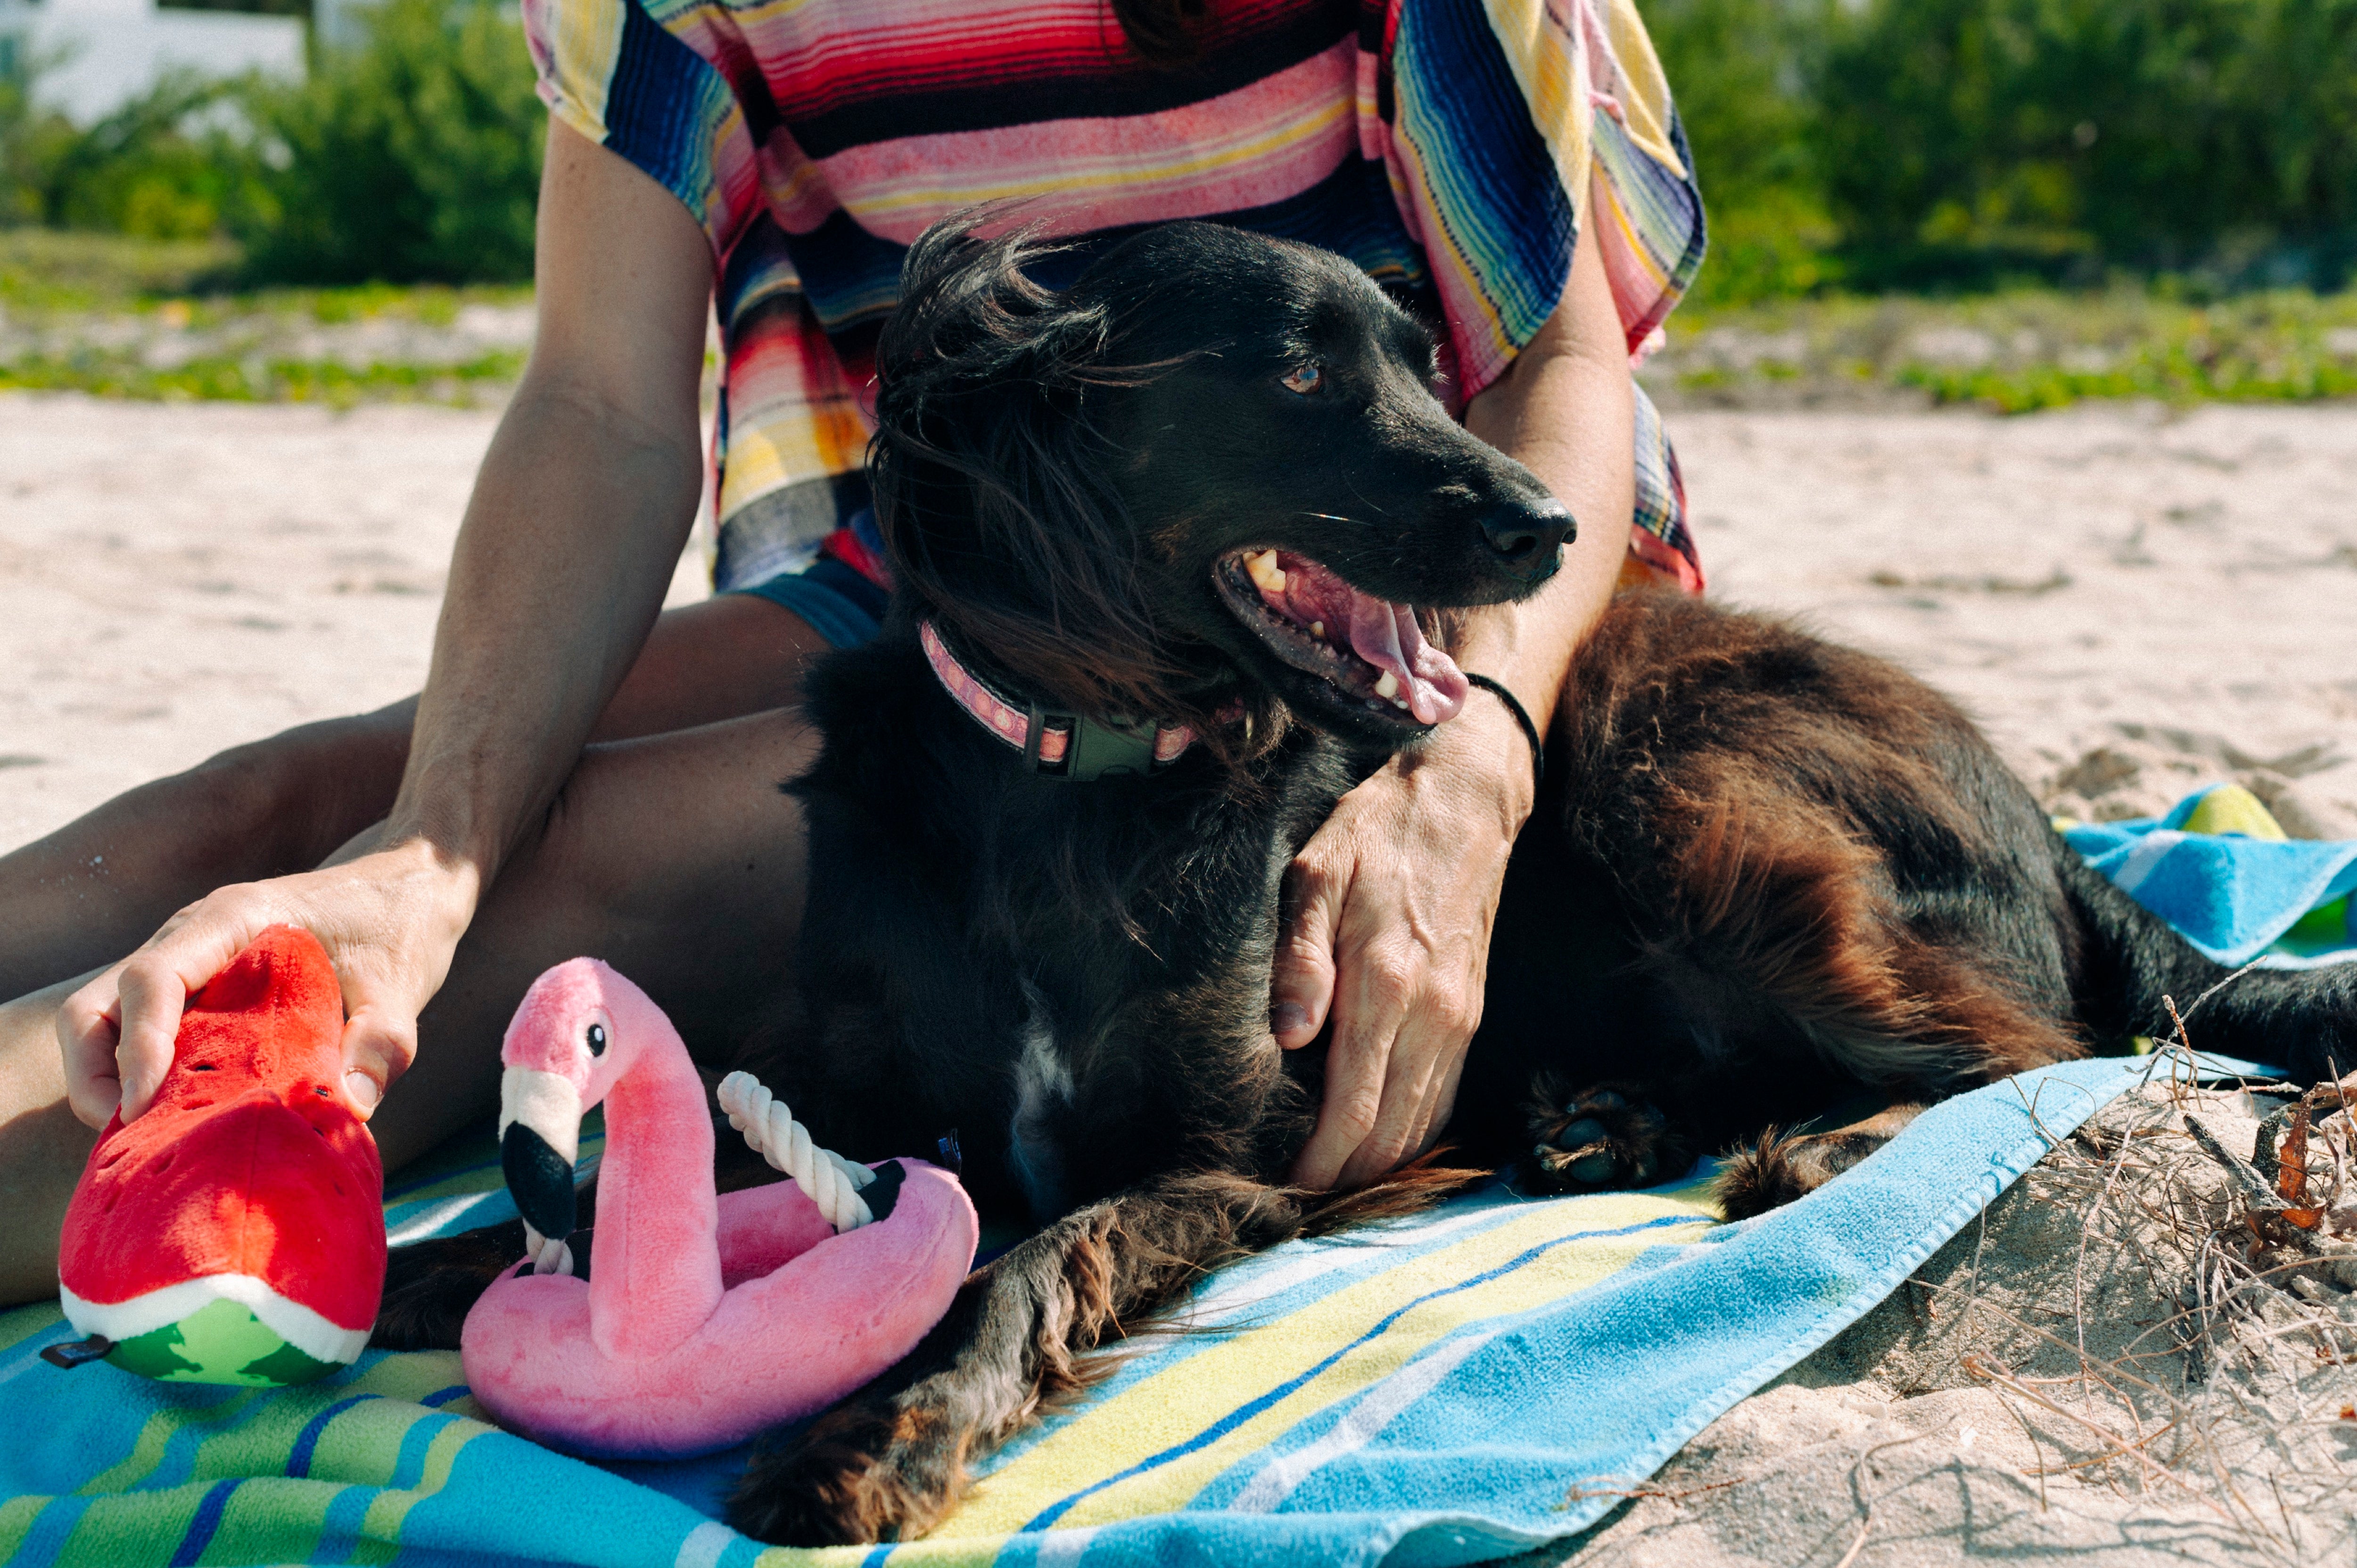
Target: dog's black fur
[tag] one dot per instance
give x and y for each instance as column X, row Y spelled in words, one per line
column 1765, row 872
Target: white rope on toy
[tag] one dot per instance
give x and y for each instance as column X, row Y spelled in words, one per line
column 826, row 1178
column 549, row 1254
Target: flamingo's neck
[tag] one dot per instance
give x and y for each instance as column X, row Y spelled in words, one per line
column 655, row 1273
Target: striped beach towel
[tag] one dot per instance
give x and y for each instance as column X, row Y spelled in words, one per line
column 2221, row 869
column 1449, row 147
column 1441, row 1390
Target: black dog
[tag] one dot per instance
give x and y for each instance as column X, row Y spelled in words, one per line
column 1765, row 873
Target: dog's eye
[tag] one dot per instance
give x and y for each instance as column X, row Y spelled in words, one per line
column 597, row 1040
column 1305, row 379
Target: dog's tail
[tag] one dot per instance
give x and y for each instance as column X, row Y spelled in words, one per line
column 2132, row 966
column 1411, row 1188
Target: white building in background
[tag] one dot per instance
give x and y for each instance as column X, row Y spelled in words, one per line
column 94, row 56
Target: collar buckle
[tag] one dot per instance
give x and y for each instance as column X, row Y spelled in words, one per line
column 1092, row 748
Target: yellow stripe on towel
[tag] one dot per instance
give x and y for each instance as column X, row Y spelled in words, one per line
column 1166, row 1410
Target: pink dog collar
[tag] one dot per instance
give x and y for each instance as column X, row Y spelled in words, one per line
column 1057, row 746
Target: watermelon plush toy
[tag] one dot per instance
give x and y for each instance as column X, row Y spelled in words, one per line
column 234, row 1233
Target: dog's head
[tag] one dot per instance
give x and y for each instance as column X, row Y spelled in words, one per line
column 1211, row 471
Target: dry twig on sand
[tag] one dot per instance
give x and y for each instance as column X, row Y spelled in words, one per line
column 2145, row 1353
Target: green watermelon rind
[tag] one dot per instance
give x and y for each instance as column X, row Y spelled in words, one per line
column 217, row 1328
column 222, row 1343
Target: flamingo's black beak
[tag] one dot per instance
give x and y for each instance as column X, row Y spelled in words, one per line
column 539, row 1179
column 540, row 1132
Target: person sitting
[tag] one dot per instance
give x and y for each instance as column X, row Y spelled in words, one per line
column 582, row 774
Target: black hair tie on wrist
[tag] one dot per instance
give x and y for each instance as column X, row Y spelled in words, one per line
column 1521, row 717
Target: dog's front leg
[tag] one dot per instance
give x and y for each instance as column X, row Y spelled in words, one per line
column 889, row 1463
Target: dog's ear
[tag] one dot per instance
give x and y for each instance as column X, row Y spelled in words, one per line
column 992, row 477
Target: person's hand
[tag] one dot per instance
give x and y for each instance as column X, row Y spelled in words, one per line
column 1387, row 932
column 389, row 920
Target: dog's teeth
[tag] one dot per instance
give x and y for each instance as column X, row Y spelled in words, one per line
column 1265, row 574
column 1400, row 703
column 1388, row 688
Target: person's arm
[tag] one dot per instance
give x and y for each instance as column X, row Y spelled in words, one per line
column 1389, row 905
column 577, row 517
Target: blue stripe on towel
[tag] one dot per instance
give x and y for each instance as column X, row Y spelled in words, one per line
column 2231, row 896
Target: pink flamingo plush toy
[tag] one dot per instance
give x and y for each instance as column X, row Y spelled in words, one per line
column 703, row 1319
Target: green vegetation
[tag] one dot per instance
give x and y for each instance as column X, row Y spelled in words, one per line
column 120, row 317
column 2019, row 349
column 414, row 158
column 220, row 379
column 2102, row 198
column 1961, row 143
column 42, row 270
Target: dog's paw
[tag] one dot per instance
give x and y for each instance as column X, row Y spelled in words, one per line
column 1591, row 1139
column 869, row 1470
column 1777, row 1167
column 430, row 1286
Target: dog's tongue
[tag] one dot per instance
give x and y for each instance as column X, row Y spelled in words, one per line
column 1386, row 634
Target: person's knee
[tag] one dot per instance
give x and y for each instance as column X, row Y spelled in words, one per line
column 303, row 792
column 236, row 791
column 690, row 828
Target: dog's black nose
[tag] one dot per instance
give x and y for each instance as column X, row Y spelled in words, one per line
column 1526, row 536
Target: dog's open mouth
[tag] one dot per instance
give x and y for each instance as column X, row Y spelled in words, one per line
column 1366, row 648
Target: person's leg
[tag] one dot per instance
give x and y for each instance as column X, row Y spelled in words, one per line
column 90, row 892
column 676, row 859
column 93, row 890
column 673, row 857
column 43, row 1145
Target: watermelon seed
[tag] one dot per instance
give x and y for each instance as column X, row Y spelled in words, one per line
column 202, row 1067
column 321, row 1090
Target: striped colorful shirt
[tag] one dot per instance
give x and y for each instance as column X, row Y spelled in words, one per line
column 1449, row 147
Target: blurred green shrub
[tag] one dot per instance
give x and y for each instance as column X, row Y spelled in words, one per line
column 416, row 159
column 1879, row 144
column 163, row 166
column 1741, row 70
column 413, row 158
column 1960, row 139
column 1840, row 144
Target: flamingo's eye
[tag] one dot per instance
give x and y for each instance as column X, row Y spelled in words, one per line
column 1305, row 379
column 597, row 1040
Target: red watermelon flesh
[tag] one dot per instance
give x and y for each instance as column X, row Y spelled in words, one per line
column 247, row 1178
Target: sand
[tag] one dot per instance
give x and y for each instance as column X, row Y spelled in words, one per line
column 177, row 579
column 2133, row 602
column 2051, row 1384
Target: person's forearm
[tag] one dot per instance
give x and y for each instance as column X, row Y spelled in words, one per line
column 1565, row 410
column 568, row 545
column 586, row 495
column 1576, row 434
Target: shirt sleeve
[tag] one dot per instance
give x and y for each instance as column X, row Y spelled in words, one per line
column 642, row 88
column 1512, row 124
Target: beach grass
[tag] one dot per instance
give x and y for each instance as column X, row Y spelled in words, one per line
column 2017, row 350
column 123, row 318
column 128, row 318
